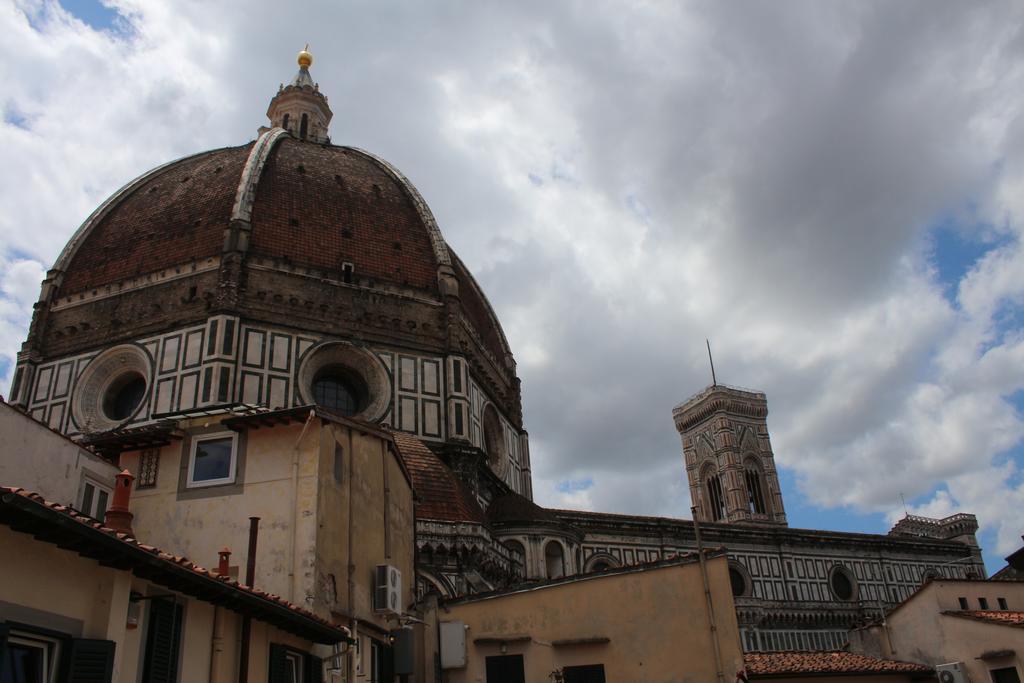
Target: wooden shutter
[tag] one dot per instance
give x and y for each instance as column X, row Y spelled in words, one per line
column 277, row 671
column 163, row 641
column 314, row 669
column 91, row 661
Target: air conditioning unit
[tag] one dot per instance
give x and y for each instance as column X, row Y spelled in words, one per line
column 387, row 589
column 954, row 672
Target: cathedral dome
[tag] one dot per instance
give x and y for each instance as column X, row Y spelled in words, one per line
column 285, row 272
column 315, row 206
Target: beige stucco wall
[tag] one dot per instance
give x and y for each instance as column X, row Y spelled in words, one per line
column 56, row 589
column 919, row 632
column 35, row 458
column 198, row 525
column 656, row 621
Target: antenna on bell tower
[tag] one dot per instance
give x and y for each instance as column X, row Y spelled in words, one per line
column 714, row 382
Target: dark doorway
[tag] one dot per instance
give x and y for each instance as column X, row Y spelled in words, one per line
column 505, row 669
column 593, row 673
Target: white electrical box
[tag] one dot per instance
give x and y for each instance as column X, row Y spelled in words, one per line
column 453, row 644
column 954, row 672
column 387, row 589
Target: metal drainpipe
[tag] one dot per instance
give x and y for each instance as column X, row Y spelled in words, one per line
column 250, row 572
column 350, row 606
column 719, row 674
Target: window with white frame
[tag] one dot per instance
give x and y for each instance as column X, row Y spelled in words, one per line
column 94, row 499
column 31, row 658
column 293, row 667
column 212, row 460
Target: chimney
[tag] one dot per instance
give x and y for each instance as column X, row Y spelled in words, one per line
column 119, row 517
column 223, row 566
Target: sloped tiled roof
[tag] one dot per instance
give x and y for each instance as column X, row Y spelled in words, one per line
column 1001, row 617
column 790, row 663
column 29, row 512
column 513, row 507
column 439, row 494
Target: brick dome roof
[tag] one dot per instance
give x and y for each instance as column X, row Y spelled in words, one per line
column 315, row 205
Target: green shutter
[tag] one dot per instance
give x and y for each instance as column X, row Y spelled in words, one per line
column 277, row 671
column 91, row 661
column 314, row 669
column 163, row 641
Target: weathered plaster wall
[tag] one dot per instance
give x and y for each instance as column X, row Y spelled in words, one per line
column 919, row 632
column 372, row 501
column 676, row 647
column 35, row 458
column 197, row 523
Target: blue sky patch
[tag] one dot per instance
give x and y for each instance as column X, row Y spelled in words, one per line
column 575, row 485
column 94, row 13
column 956, row 248
column 802, row 515
column 15, row 117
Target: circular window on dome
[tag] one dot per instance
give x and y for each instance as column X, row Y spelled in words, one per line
column 842, row 583
column 347, row 379
column 339, row 389
column 494, row 441
column 123, row 396
column 737, row 582
column 112, row 389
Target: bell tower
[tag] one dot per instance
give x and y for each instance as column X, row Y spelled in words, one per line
column 300, row 107
column 729, row 461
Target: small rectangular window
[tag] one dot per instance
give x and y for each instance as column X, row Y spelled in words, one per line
column 148, row 468
column 1002, row 604
column 212, row 460
column 31, row 657
column 592, row 673
column 339, row 463
column 94, row 498
column 1005, row 675
column 963, row 603
column 983, row 603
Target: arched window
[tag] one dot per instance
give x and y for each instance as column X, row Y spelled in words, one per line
column 304, row 126
column 755, row 491
column 284, row 123
column 716, row 500
column 554, row 560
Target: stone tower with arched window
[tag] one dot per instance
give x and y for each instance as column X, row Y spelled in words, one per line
column 729, row 461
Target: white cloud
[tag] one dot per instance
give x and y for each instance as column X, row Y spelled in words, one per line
column 625, row 182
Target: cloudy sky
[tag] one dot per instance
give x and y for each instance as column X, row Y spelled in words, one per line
column 833, row 193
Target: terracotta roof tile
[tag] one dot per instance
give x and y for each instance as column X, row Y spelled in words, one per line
column 439, row 494
column 321, row 206
column 174, row 217
column 513, row 507
column 1002, row 617
column 179, row 560
column 778, row 663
